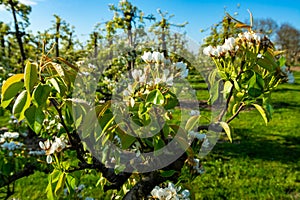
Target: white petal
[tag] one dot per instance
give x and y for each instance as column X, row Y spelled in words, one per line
column 42, row 145
column 49, row 159
column 47, row 144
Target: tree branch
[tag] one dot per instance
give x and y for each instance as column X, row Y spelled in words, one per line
column 236, row 113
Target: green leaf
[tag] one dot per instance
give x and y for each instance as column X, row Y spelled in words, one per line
column 158, row 143
column 49, row 191
column 55, row 175
column 168, row 173
column 35, row 118
column 262, row 112
column 21, row 104
column 227, row 130
column 59, row 85
column 71, row 183
column 40, row 95
column 254, row 92
column 155, row 97
column 214, row 92
column 192, row 122
column 30, row 76
column 171, row 100
column 227, row 88
column 60, row 184
column 10, row 89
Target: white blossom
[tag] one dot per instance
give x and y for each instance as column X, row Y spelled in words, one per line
column 180, row 66
column 170, row 193
column 45, row 145
column 158, row 57
column 50, row 147
column 259, row 55
column 208, row 50
column 49, row 159
column 37, row 153
column 229, row 44
column 257, row 36
column 136, row 74
column 197, row 166
column 147, row 57
column 59, row 144
column 199, row 136
column 167, row 77
column 91, row 66
column 12, row 145
column 185, row 193
column 11, row 135
column 128, row 91
column 194, row 113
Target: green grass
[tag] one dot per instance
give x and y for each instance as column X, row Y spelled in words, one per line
column 263, row 162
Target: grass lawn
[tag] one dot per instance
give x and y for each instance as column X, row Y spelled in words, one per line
column 263, row 162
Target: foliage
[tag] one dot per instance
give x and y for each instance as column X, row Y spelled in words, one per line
column 129, row 127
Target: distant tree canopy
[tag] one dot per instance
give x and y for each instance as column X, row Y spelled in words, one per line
column 288, row 39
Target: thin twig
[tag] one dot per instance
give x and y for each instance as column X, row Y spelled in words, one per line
column 236, row 113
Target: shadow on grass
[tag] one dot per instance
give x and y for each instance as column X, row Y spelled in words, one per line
column 282, row 104
column 285, row 149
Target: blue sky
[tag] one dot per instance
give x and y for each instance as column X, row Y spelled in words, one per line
column 84, row 14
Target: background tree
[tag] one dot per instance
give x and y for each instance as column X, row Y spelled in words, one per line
column 266, row 26
column 18, row 9
column 288, row 39
column 162, row 30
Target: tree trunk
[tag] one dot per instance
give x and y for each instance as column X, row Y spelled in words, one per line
column 2, row 41
column 57, row 38
column 18, row 34
column 95, row 44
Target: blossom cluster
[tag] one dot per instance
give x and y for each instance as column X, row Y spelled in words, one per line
column 197, row 166
column 50, row 147
column 221, row 50
column 12, row 145
column 159, row 71
column 165, row 64
column 170, row 193
column 10, row 135
column 197, row 135
column 232, row 45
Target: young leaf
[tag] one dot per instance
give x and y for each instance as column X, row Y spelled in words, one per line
column 214, row 92
column 10, row 89
column 227, row 130
column 21, row 104
column 158, row 143
column 126, row 139
column 49, row 188
column 30, row 76
column 35, row 118
column 192, row 122
column 262, row 112
column 168, row 173
column 155, row 97
column 60, row 184
column 40, row 95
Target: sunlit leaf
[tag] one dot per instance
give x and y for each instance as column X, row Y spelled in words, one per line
column 262, row 112
column 21, row 104
column 227, row 130
column 10, row 89
column 30, row 76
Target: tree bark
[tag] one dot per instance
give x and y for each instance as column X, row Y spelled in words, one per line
column 18, row 34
